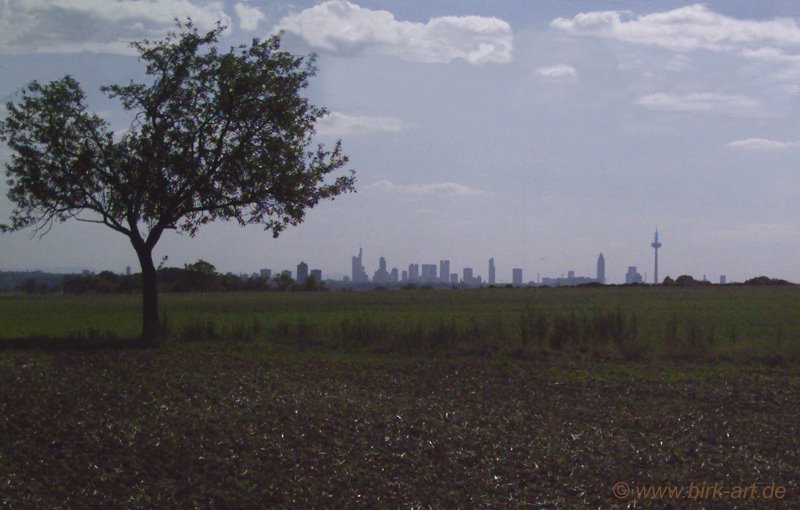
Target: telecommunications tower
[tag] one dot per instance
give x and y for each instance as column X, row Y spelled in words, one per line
column 656, row 245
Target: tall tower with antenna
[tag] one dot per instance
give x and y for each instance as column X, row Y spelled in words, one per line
column 656, row 245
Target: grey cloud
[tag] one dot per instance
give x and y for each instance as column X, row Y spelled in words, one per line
column 99, row 26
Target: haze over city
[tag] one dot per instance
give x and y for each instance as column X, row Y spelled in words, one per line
column 536, row 133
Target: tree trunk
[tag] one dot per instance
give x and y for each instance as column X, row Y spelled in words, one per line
column 151, row 325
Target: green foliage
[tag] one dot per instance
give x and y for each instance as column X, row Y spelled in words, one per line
column 765, row 280
column 32, row 286
column 214, row 135
column 105, row 282
column 685, row 280
column 283, row 281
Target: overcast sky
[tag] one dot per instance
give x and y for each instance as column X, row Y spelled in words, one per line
column 539, row 133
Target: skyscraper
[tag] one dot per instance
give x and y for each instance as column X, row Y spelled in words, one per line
column 491, row 271
column 468, row 279
column 656, row 245
column 516, row 276
column 632, row 276
column 444, row 271
column 601, row 269
column 428, row 273
column 381, row 275
column 413, row 272
column 359, row 275
column 302, row 273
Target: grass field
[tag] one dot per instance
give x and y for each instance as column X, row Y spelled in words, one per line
column 407, row 399
column 732, row 321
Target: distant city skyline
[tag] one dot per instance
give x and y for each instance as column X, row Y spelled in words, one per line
column 431, row 273
column 538, row 137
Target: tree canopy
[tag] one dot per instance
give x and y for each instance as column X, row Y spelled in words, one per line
column 214, row 135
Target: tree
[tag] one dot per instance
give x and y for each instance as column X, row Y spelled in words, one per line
column 200, row 275
column 283, row 281
column 215, row 135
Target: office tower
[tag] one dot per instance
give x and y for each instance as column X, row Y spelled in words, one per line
column 601, row 269
column 286, row 273
column 359, row 275
column 413, row 273
column 381, row 275
column 491, row 272
column 128, row 270
column 453, row 278
column 317, row 275
column 429, row 273
column 516, row 276
column 444, row 271
column 656, row 245
column 632, row 276
column 393, row 275
column 723, row 279
column 266, row 274
column 467, row 278
column 404, row 276
column 302, row 273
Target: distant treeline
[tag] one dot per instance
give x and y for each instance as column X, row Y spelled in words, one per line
column 198, row 277
column 203, row 277
column 687, row 281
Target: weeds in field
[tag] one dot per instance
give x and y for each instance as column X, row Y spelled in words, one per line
column 690, row 339
column 426, row 325
column 534, row 326
column 208, row 330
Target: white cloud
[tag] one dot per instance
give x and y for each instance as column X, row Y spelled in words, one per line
column 337, row 123
column 763, row 144
column 99, row 26
column 769, row 54
column 557, row 71
column 344, row 28
column 701, row 102
column 249, row 16
column 435, row 188
column 686, row 28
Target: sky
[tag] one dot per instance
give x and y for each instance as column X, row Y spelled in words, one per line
column 540, row 133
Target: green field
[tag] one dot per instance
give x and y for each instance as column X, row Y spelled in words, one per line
column 733, row 321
